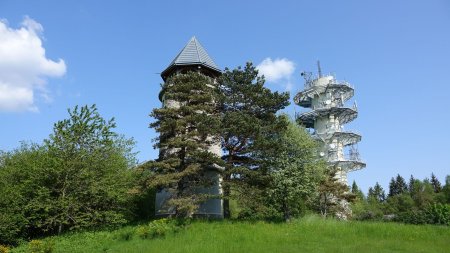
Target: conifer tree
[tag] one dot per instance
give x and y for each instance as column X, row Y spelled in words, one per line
column 248, row 115
column 376, row 193
column 356, row 191
column 331, row 193
column 436, row 184
column 186, row 131
column 397, row 186
column 411, row 184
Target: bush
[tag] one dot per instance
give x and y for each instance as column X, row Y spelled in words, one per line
column 156, row 228
column 438, row 214
column 39, row 246
column 143, row 232
column 412, row 217
column 125, row 235
column 4, row 249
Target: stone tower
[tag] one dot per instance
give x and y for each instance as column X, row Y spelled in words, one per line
column 326, row 97
column 193, row 57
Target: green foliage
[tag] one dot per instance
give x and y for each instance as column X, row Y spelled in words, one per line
column 446, row 190
column 376, row 193
column 156, row 228
column 438, row 214
column 188, row 125
column 125, row 235
column 41, row 246
column 4, row 249
column 79, row 178
column 294, row 170
column 248, row 117
column 330, row 194
column 422, row 193
column 435, row 183
column 421, row 202
column 397, row 186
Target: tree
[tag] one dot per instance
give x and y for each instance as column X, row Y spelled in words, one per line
column 397, row 186
column 92, row 173
column 186, row 132
column 435, row 183
column 356, row 191
column 294, row 169
column 332, row 193
column 248, row 116
column 423, row 193
column 79, row 178
column 411, row 184
column 446, row 190
column 376, row 193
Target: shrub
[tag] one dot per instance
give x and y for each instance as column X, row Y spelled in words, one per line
column 125, row 235
column 39, row 246
column 159, row 228
column 4, row 249
column 412, row 217
column 143, row 232
column 156, row 228
column 438, row 214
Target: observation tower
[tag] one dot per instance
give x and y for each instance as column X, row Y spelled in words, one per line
column 326, row 97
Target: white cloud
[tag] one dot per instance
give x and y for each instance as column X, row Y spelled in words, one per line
column 277, row 71
column 24, row 66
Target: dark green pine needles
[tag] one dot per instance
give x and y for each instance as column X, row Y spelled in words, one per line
column 188, row 125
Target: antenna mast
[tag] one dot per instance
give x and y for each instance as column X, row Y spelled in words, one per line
column 320, row 70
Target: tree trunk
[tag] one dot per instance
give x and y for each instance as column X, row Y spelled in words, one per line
column 226, row 199
column 226, row 187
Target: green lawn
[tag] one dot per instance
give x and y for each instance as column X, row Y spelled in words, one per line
column 310, row 234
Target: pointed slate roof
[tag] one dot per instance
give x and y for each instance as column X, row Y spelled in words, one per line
column 192, row 54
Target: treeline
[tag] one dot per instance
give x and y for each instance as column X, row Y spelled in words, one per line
column 416, row 201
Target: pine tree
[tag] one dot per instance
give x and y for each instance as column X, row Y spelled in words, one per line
column 401, row 184
column 377, row 193
column 393, row 190
column 397, row 186
column 186, row 131
column 332, row 193
column 411, row 184
column 436, row 184
column 248, row 116
column 356, row 191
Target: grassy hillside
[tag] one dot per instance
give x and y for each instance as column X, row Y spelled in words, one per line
column 310, row 234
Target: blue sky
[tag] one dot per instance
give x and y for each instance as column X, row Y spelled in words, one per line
column 395, row 53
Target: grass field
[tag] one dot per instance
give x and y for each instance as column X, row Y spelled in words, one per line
column 310, row 234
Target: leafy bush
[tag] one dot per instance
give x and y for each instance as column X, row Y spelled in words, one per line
column 4, row 249
column 39, row 246
column 438, row 214
column 412, row 217
column 143, row 232
column 79, row 178
column 160, row 228
column 156, row 228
